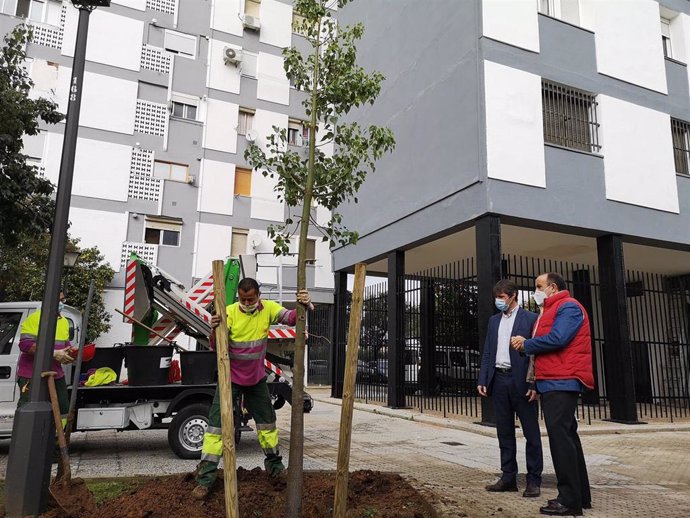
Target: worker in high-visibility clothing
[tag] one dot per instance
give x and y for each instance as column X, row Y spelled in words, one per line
column 61, row 356
column 248, row 323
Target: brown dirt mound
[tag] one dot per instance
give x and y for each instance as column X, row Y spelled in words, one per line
column 371, row 494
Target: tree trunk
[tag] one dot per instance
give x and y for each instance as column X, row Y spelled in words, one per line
column 295, row 466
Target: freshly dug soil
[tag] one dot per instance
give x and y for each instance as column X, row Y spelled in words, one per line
column 371, row 494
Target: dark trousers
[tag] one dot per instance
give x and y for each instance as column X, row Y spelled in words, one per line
column 508, row 400
column 566, row 450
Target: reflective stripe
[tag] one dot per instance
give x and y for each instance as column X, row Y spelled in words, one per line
column 282, row 316
column 60, row 342
column 265, row 426
column 210, row 457
column 27, row 336
column 212, row 445
column 270, row 451
column 268, row 439
column 214, row 430
column 247, row 345
column 251, row 356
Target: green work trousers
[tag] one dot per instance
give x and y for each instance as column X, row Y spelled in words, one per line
column 60, row 388
column 257, row 400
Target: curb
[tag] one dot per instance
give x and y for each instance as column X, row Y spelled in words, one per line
column 455, row 424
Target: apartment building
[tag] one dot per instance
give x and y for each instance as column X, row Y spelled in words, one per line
column 536, row 135
column 174, row 92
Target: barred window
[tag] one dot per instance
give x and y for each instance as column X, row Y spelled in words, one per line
column 680, row 132
column 570, row 117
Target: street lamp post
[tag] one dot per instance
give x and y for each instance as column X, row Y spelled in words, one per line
column 70, row 260
column 33, row 436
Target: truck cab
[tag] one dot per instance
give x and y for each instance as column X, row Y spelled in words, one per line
column 12, row 314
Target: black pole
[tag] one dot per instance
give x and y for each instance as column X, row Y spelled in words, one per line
column 618, row 358
column 339, row 333
column 396, row 326
column 488, row 242
column 33, row 436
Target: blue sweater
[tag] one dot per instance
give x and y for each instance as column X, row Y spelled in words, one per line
column 568, row 320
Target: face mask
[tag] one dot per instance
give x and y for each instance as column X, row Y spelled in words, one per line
column 501, row 305
column 539, row 297
column 249, row 309
column 61, row 307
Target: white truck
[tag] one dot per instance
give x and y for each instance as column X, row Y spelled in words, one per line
column 181, row 408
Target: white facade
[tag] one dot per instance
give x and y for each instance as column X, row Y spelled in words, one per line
column 160, row 131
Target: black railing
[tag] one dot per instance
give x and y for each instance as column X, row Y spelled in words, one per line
column 319, row 345
column 441, row 349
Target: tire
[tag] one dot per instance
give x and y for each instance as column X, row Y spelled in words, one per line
column 278, row 402
column 186, row 431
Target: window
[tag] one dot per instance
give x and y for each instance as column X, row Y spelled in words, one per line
column 298, row 133
column 311, row 251
column 184, row 111
column 33, row 145
column 666, row 37
column 547, row 7
column 162, row 231
column 245, row 121
column 252, row 7
column 243, row 182
column 298, row 22
column 238, row 246
column 9, row 324
column 170, row 171
column 570, row 117
column 680, row 133
column 180, row 43
column 566, row 10
column 249, row 64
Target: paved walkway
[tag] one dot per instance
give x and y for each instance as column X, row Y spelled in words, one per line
column 641, row 474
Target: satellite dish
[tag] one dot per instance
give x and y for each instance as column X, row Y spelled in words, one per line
column 256, row 241
column 251, row 135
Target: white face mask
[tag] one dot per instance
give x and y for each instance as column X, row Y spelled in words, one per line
column 61, row 307
column 249, row 309
column 539, row 297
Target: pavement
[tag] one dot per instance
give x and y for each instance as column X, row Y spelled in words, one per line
column 635, row 471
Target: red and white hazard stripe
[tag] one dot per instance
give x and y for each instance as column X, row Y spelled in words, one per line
column 282, row 333
column 130, row 285
column 273, row 367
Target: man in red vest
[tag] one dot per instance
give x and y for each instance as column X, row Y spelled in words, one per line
column 562, row 348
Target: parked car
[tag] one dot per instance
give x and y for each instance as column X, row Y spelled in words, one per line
column 456, row 370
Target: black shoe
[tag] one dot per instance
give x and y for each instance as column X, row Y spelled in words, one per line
column 558, row 509
column 502, row 487
column 554, row 501
column 531, row 491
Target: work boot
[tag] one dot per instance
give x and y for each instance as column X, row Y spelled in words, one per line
column 274, row 464
column 206, row 473
column 201, row 492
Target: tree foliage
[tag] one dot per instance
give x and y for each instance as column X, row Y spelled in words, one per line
column 22, row 277
column 26, row 205
column 334, row 84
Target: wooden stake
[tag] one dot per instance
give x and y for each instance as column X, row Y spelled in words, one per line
column 225, row 393
column 340, row 504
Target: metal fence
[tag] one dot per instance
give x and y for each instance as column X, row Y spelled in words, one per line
column 441, row 347
column 319, row 345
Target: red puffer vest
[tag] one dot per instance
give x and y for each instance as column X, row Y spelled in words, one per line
column 575, row 359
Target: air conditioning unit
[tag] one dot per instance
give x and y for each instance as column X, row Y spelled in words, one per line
column 251, row 23
column 232, row 56
column 251, row 135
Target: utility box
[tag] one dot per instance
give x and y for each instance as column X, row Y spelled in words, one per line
column 98, row 418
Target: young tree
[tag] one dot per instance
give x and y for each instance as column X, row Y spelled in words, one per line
column 23, row 271
column 334, row 84
column 26, row 205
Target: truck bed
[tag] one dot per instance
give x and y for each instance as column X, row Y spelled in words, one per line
column 129, row 394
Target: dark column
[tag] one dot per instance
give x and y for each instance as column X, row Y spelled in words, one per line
column 488, row 242
column 339, row 332
column 582, row 291
column 620, row 380
column 427, row 333
column 396, row 336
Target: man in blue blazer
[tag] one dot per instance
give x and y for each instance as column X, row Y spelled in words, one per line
column 503, row 377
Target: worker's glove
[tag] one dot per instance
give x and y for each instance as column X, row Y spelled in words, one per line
column 62, row 356
column 304, row 299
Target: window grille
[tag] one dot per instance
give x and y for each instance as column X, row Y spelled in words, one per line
column 150, row 118
column 163, row 6
column 148, row 253
column 570, row 117
column 155, row 58
column 50, row 35
column 142, row 184
column 680, row 132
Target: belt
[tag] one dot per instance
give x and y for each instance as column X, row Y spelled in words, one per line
column 504, row 370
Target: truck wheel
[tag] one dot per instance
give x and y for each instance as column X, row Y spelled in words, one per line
column 186, row 431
